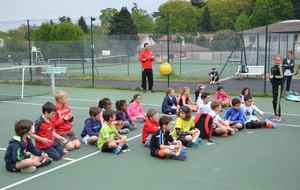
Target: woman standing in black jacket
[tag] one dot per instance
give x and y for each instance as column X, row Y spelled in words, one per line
column 288, row 67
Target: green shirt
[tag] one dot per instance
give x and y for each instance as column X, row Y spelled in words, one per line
column 107, row 131
column 183, row 125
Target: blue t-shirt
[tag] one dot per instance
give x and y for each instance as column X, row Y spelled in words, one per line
column 91, row 127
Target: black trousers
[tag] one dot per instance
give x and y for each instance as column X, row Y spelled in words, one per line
column 147, row 74
column 275, row 92
column 288, row 80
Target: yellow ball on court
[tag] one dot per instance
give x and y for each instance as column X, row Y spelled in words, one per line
column 165, row 68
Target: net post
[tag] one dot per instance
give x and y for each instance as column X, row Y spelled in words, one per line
column 52, row 80
column 23, row 82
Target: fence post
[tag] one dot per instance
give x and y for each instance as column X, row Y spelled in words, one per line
column 257, row 48
column 29, row 49
column 266, row 57
column 279, row 44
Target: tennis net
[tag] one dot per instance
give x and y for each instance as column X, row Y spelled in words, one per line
column 26, row 81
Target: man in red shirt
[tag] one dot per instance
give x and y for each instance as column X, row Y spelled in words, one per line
column 146, row 58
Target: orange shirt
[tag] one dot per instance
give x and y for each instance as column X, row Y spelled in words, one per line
column 147, row 57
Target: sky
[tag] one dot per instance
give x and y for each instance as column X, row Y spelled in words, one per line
column 14, row 12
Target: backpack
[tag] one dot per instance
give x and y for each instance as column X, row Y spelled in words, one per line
column 204, row 122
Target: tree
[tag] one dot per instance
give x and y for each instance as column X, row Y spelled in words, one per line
column 106, row 16
column 83, row 25
column 225, row 40
column 64, row 19
column 242, row 22
column 266, row 12
column 224, row 13
column 296, row 5
column 43, row 33
column 143, row 21
column 205, row 22
column 122, row 23
column 182, row 16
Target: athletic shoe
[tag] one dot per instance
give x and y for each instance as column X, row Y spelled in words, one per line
column 125, row 146
column 85, row 139
column 117, row 150
column 278, row 119
column 124, row 131
column 46, row 162
column 194, row 144
column 199, row 140
column 28, row 170
column 180, row 157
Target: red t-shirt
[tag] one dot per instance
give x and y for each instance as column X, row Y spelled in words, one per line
column 146, row 57
column 150, row 127
column 62, row 127
column 45, row 130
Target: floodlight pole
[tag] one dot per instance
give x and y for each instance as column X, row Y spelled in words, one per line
column 92, row 52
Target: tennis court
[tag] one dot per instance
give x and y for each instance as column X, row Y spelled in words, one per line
column 251, row 160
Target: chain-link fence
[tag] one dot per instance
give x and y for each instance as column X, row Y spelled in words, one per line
column 99, row 55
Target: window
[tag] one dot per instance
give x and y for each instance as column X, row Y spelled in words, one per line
column 252, row 38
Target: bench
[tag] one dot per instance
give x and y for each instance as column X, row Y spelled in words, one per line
column 56, row 71
column 252, row 71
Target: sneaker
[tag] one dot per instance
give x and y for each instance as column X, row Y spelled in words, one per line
column 28, row 170
column 125, row 146
column 124, row 131
column 199, row 140
column 117, row 150
column 273, row 118
column 46, row 162
column 85, row 139
column 278, row 119
column 180, row 157
column 194, row 144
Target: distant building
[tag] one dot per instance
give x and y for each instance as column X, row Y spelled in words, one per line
column 284, row 36
column 145, row 38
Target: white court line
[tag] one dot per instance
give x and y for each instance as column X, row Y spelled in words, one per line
column 36, row 104
column 58, row 167
column 3, row 149
column 155, row 105
column 288, row 125
column 73, row 107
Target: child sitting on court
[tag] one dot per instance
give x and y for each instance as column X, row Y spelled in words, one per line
column 252, row 115
column 162, row 144
column 235, row 116
column 109, row 139
column 122, row 115
column 214, row 76
column 185, row 130
column 135, row 110
column 222, row 96
column 63, row 122
column 204, row 107
column 44, row 133
column 184, row 99
column 106, row 104
column 21, row 155
column 221, row 127
column 169, row 105
column 92, row 126
column 200, row 89
column 151, row 125
column 245, row 91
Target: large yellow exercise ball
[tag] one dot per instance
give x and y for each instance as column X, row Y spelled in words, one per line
column 165, row 68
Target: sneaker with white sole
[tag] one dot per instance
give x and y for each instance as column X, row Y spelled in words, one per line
column 46, row 162
column 28, row 170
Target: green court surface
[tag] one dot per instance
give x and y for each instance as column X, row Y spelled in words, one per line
column 250, row 160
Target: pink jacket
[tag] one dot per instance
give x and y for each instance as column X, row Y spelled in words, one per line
column 135, row 109
column 222, row 96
